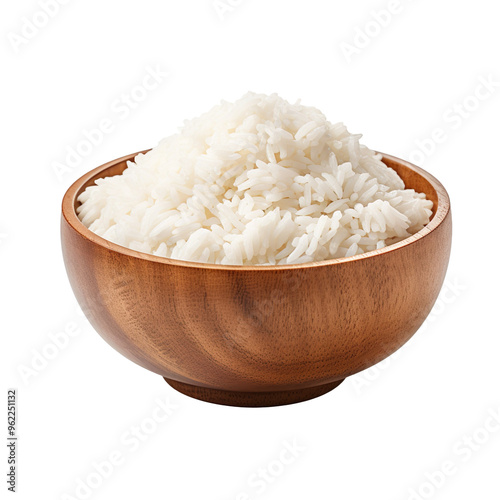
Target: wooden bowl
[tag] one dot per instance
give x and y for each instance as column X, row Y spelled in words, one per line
column 253, row 335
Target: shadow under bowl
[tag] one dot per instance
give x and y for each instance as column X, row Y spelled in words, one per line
column 257, row 335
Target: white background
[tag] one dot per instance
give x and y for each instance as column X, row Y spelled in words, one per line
column 382, row 433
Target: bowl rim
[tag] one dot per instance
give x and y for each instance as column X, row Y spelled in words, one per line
column 70, row 216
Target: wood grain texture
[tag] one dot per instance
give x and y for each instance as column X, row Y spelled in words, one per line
column 251, row 335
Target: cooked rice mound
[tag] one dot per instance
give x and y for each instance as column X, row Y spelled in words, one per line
column 258, row 181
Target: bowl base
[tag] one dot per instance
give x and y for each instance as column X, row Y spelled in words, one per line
column 252, row 399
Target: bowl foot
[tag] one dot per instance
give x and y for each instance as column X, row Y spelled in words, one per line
column 252, row 399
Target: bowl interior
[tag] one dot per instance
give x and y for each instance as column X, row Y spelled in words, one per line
column 414, row 178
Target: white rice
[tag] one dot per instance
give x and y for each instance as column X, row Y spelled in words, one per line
column 258, row 181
